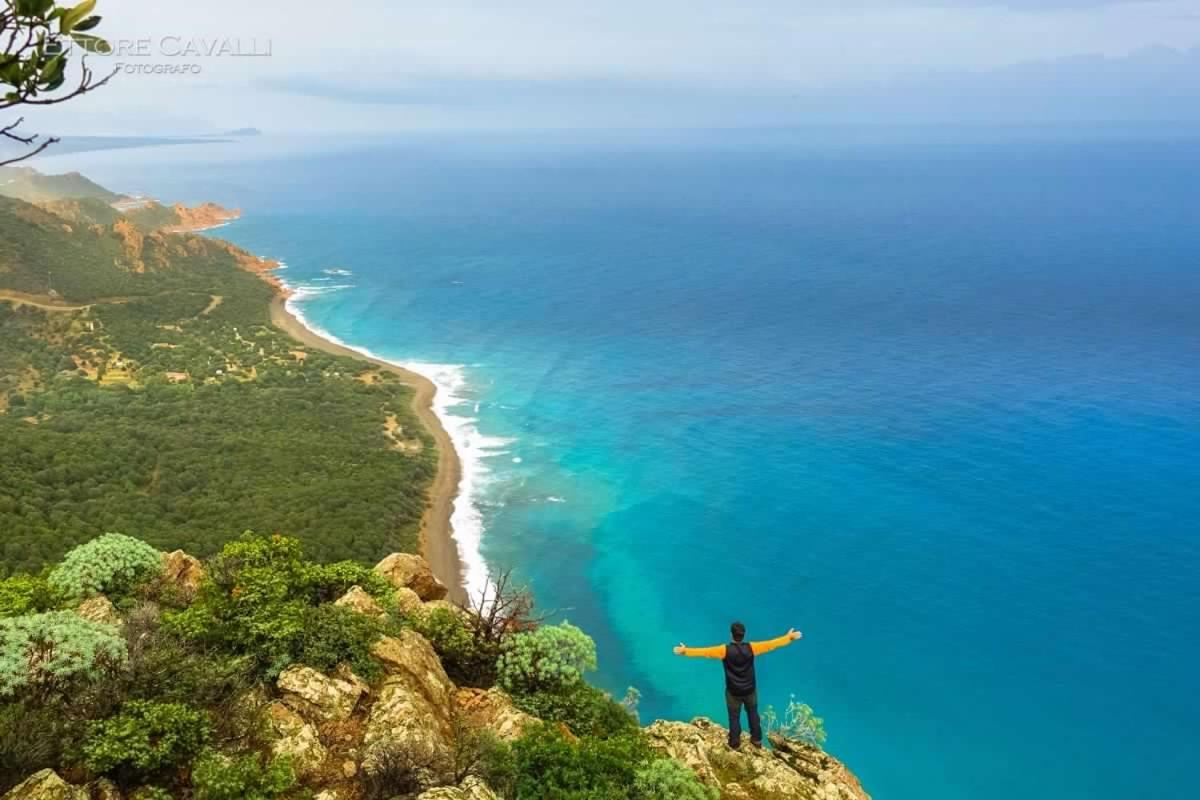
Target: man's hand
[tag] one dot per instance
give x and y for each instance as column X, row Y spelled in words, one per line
column 679, row 650
column 794, row 634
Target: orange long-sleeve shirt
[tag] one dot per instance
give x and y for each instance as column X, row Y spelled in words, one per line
column 718, row 651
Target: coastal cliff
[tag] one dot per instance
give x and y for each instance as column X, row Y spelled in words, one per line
column 392, row 709
column 152, row 381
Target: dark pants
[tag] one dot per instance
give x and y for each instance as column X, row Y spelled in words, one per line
column 734, row 704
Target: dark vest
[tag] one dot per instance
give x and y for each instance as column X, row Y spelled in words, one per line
column 739, row 669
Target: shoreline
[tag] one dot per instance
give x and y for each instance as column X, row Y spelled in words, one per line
column 438, row 545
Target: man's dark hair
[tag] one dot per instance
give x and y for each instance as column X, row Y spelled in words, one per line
column 738, row 630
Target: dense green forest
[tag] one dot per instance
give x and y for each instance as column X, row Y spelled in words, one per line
column 171, row 407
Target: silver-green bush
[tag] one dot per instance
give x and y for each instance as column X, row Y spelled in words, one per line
column 42, row 653
column 550, row 658
column 110, row 564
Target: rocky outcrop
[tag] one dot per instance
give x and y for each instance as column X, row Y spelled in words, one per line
column 183, row 572
column 45, row 785
column 316, row 696
column 201, row 217
column 296, row 739
column 413, row 709
column 99, row 609
column 471, row 789
column 413, row 572
column 492, row 710
column 407, row 601
column 799, row 772
column 356, row 599
column 410, row 655
column 445, row 605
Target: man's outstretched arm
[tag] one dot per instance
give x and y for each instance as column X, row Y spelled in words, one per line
column 716, row 651
column 758, row 648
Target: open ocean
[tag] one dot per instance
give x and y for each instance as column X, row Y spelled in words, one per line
column 935, row 404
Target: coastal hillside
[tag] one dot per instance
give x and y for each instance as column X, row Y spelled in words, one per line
column 143, row 387
column 261, row 675
column 26, row 183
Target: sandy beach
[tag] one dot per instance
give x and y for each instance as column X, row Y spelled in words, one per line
column 437, row 537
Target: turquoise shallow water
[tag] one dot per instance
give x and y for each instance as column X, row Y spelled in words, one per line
column 937, row 407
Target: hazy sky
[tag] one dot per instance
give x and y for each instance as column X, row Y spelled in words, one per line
column 373, row 65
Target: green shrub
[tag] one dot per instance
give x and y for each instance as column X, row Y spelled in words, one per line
column 28, row 594
column 246, row 777
column 111, row 564
column 400, row 768
column 799, row 723
column 551, row 658
column 44, row 654
column 31, row 739
column 583, row 708
column 328, row 582
column 150, row 793
column 469, row 660
column 545, row 765
column 667, row 779
column 146, row 739
column 168, row 669
column 254, row 601
column 260, row 600
column 332, row 634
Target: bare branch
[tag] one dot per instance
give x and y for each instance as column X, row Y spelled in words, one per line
column 33, row 50
column 45, row 143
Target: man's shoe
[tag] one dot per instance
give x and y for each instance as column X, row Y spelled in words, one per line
column 733, row 746
column 757, row 745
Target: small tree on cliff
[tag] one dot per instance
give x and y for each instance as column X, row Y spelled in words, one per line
column 37, row 38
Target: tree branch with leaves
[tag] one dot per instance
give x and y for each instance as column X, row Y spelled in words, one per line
column 37, row 40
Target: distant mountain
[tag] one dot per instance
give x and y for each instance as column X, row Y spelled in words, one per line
column 243, row 132
column 26, row 183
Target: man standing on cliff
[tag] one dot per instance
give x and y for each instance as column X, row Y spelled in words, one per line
column 741, row 688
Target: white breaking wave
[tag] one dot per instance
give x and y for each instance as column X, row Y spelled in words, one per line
column 303, row 292
column 337, row 271
column 472, row 447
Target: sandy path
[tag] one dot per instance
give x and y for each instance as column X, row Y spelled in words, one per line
column 212, row 305
column 437, row 538
column 38, row 301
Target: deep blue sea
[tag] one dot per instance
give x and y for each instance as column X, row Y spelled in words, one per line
column 936, row 404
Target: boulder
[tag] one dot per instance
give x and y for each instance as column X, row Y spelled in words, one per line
column 184, row 572
column 789, row 772
column 445, row 605
column 408, row 601
column 471, row 789
column 99, row 609
column 493, row 711
column 296, row 739
column 404, row 718
column 343, row 672
column 407, row 570
column 413, row 709
column 45, row 785
column 356, row 599
column 316, row 696
column 410, row 654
